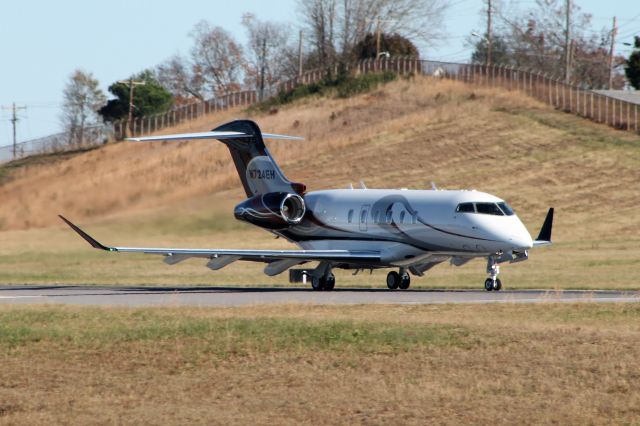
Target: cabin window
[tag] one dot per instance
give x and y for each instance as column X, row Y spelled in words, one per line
column 376, row 215
column 363, row 216
column 465, row 208
column 350, row 216
column 489, row 208
column 414, row 218
column 506, row 208
column 402, row 215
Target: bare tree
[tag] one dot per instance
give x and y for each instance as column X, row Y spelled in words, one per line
column 177, row 76
column 319, row 18
column 82, row 98
column 217, row 59
column 336, row 26
column 535, row 39
column 268, row 47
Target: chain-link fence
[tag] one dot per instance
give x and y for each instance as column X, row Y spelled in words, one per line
column 92, row 136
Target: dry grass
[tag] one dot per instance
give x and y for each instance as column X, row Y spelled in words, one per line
column 407, row 134
column 512, row 364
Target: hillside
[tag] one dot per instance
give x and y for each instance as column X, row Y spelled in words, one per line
column 406, row 134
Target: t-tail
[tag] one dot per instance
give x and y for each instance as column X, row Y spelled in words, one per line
column 274, row 202
column 258, row 171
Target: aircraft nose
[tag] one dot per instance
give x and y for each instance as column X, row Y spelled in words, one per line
column 521, row 240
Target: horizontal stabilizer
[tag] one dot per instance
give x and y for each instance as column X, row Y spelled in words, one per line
column 209, row 135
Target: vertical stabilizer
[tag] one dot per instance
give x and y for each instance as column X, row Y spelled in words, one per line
column 257, row 169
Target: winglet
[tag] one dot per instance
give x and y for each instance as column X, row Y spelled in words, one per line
column 545, row 231
column 94, row 243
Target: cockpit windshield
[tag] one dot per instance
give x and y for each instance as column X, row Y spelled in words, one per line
column 496, row 209
column 506, row 208
column 489, row 208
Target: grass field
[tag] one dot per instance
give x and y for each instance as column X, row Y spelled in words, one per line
column 406, row 134
column 508, row 364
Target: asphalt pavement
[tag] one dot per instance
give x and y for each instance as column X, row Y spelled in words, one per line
column 239, row 296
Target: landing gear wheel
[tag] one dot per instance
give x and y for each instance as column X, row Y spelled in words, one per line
column 393, row 280
column 405, row 281
column 317, row 283
column 497, row 284
column 488, row 284
column 330, row 282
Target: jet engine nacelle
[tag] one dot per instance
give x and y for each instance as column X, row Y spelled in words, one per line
column 274, row 210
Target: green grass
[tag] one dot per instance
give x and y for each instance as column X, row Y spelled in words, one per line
column 340, row 86
column 99, row 329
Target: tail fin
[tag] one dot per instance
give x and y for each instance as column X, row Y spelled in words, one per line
column 256, row 167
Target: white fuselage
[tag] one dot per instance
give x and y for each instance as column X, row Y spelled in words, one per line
column 407, row 224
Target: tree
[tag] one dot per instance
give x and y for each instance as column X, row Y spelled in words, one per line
column 499, row 50
column 632, row 65
column 150, row 98
column 217, row 59
column 177, row 76
column 394, row 44
column 268, row 47
column 335, row 27
column 82, row 99
column 535, row 40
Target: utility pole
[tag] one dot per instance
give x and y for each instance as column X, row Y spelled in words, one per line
column 14, row 120
column 567, row 37
column 489, row 35
column 614, row 32
column 131, row 84
column 378, row 31
column 262, row 66
column 300, row 56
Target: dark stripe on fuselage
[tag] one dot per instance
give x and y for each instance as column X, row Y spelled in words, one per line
column 385, row 203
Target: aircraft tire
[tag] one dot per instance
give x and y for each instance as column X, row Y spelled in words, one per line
column 497, row 286
column 329, row 282
column 405, row 281
column 488, row 284
column 393, row 280
column 317, row 283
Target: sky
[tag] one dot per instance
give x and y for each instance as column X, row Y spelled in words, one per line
column 43, row 42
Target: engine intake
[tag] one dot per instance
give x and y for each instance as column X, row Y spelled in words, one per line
column 274, row 210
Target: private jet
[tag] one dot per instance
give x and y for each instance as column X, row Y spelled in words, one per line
column 408, row 231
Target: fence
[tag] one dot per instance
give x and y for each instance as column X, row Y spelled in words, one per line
column 614, row 112
column 598, row 107
column 153, row 123
column 586, row 103
column 58, row 142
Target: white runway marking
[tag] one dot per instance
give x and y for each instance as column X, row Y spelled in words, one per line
column 19, row 297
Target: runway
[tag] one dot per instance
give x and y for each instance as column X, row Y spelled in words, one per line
column 242, row 296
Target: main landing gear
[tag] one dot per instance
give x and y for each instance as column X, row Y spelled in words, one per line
column 493, row 283
column 400, row 280
column 325, row 282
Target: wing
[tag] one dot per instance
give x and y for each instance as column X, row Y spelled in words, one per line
column 279, row 260
column 544, row 237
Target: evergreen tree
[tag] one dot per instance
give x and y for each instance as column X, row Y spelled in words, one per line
column 148, row 99
column 632, row 67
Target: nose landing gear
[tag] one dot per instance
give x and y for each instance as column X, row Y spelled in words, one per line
column 493, row 283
